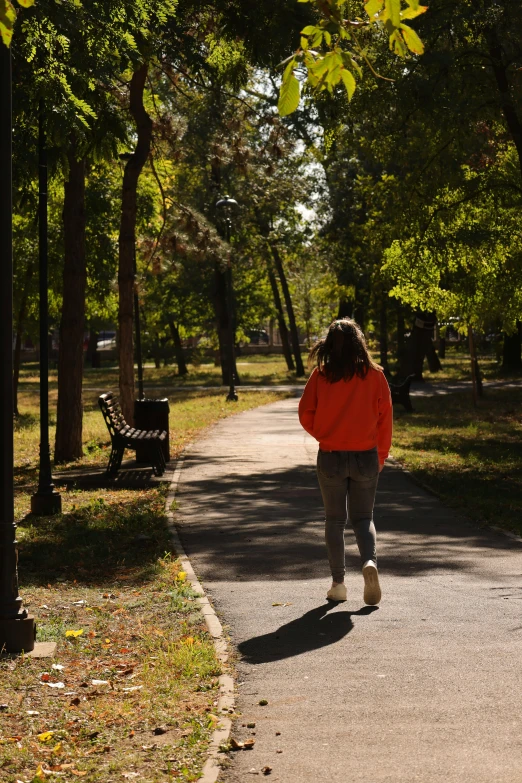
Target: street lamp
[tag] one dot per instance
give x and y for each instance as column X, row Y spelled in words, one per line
column 17, row 629
column 46, row 500
column 126, row 156
column 227, row 206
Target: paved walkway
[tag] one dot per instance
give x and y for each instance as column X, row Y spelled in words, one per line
column 425, row 688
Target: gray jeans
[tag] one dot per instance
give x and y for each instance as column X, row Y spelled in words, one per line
column 352, row 476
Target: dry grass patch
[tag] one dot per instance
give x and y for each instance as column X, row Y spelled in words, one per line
column 132, row 688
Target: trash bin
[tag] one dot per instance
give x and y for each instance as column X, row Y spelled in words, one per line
column 152, row 415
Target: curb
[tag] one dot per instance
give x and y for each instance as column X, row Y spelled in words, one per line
column 221, row 733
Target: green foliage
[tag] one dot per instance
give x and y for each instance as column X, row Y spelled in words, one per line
column 334, row 49
column 8, row 18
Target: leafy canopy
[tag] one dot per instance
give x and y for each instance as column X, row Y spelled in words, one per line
column 333, row 50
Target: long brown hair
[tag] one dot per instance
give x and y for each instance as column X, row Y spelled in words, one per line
column 343, row 352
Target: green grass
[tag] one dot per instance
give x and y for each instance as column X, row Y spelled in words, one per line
column 256, row 369
column 471, row 457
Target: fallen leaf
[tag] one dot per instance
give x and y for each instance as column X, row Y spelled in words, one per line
column 45, row 677
column 58, row 667
column 131, row 775
column 33, row 712
column 235, row 745
column 57, row 748
column 189, row 641
column 277, row 604
column 100, row 682
column 107, row 641
column 74, row 634
column 133, row 688
column 55, row 684
column 78, row 773
column 45, row 736
column 249, row 743
column 39, row 772
column 75, row 701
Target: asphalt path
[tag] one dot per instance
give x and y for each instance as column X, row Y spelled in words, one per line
column 424, row 688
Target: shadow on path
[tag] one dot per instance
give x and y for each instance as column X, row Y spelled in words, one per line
column 240, row 522
column 312, row 631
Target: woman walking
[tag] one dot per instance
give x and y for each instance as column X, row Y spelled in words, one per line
column 346, row 406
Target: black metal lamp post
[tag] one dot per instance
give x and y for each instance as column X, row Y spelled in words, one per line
column 17, row 629
column 139, row 359
column 46, row 500
column 226, row 207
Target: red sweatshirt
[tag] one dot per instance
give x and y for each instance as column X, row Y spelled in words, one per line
column 354, row 415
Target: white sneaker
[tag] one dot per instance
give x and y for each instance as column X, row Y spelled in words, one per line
column 337, row 592
column 372, row 589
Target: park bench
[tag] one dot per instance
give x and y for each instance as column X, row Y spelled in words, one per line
column 124, row 437
column 400, row 393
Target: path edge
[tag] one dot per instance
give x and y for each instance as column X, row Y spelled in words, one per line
column 221, row 734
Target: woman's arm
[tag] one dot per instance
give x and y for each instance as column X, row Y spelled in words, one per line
column 308, row 404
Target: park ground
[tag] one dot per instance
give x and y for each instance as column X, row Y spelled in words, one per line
column 104, row 583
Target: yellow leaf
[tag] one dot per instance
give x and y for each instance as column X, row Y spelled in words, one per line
column 39, row 772
column 57, row 748
column 45, row 736
column 349, row 82
column 189, row 640
column 181, row 576
column 26, row 3
column 107, row 641
column 413, row 41
column 74, row 634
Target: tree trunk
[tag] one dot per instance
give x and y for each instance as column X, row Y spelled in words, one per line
column 93, row 355
column 299, row 371
column 511, row 350
column 127, row 240
column 20, row 319
column 402, row 353
column 178, row 349
column 283, row 331
column 383, row 335
column 474, row 373
column 69, row 415
column 508, row 107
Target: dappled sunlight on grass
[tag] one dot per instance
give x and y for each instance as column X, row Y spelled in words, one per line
column 471, row 457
